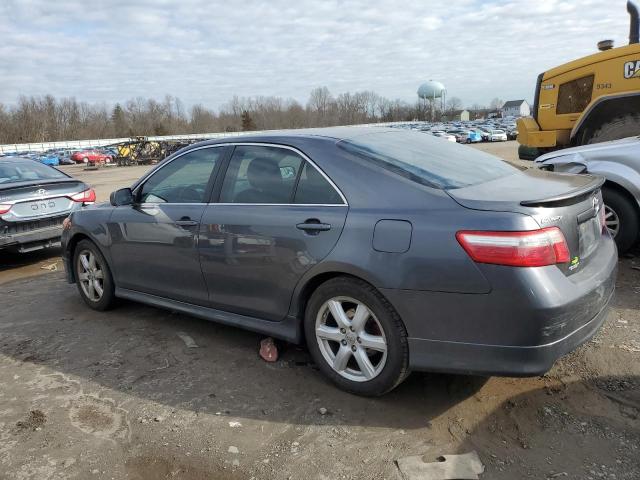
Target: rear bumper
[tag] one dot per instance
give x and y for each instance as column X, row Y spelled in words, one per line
column 499, row 360
column 530, row 318
column 44, row 236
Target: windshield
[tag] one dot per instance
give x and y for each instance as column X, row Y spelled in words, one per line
column 428, row 160
column 12, row 171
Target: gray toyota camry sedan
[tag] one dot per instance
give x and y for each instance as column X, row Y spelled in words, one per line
column 384, row 250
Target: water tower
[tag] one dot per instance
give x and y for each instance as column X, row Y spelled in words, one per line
column 430, row 92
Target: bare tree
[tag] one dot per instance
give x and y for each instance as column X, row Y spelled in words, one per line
column 496, row 104
column 319, row 103
column 48, row 119
column 454, row 104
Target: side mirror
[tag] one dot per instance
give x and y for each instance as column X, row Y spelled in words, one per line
column 121, row 197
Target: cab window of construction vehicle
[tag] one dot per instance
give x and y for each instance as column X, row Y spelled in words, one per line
column 574, row 96
column 184, row 180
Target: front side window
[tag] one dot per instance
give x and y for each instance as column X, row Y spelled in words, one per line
column 259, row 174
column 184, row 180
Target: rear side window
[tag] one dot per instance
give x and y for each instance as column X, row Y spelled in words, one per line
column 184, row 180
column 427, row 159
column 313, row 188
column 259, row 174
column 25, row 171
column 574, row 96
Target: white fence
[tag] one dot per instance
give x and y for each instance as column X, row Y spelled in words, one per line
column 82, row 144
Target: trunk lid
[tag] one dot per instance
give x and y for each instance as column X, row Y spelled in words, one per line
column 570, row 202
column 31, row 200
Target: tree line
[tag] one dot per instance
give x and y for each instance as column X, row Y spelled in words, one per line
column 45, row 118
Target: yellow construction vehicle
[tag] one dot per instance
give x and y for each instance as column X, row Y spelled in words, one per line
column 589, row 100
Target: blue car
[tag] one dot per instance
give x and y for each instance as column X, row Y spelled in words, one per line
column 49, row 159
column 473, row 136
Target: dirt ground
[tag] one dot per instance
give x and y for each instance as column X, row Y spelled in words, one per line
column 120, row 395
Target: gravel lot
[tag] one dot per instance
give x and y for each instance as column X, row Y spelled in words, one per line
column 120, row 395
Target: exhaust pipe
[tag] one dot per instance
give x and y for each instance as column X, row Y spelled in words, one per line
column 634, row 28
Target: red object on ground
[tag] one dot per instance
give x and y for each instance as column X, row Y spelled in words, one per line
column 268, row 350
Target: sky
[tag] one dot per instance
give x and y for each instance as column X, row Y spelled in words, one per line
column 207, row 51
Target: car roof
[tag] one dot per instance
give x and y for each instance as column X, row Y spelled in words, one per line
column 331, row 133
column 17, row 159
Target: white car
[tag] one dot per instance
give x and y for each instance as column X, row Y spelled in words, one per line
column 445, row 135
column 619, row 162
column 497, row 136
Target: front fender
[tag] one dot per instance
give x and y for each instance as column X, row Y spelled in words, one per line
column 91, row 224
column 625, row 176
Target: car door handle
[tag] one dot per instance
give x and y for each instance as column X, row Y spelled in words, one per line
column 186, row 222
column 313, row 226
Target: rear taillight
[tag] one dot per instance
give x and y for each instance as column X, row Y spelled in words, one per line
column 88, row 196
column 4, row 208
column 535, row 248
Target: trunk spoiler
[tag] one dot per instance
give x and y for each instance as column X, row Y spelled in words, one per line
column 596, row 182
column 37, row 183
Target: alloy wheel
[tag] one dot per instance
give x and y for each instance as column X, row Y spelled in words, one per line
column 611, row 221
column 351, row 339
column 90, row 275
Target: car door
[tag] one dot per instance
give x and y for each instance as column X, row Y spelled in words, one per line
column 155, row 240
column 277, row 216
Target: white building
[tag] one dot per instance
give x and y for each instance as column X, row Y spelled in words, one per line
column 516, row 108
column 459, row 116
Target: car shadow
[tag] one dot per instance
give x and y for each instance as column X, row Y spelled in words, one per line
column 627, row 281
column 14, row 265
column 10, row 259
column 581, row 429
column 141, row 351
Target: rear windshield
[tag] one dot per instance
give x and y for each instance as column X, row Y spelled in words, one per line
column 427, row 159
column 12, row 171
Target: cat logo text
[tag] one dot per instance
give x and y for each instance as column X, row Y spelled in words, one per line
column 632, row 69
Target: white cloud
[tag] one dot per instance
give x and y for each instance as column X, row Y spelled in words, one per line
column 207, row 51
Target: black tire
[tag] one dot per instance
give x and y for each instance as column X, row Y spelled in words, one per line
column 629, row 223
column 396, row 367
column 108, row 299
column 620, row 127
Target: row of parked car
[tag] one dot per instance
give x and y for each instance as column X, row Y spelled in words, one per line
column 67, row 156
column 468, row 132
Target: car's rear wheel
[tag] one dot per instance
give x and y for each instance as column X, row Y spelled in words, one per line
column 356, row 337
column 621, row 218
column 93, row 276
